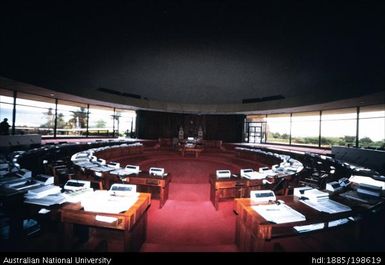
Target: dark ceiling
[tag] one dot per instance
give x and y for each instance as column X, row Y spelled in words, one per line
column 203, row 52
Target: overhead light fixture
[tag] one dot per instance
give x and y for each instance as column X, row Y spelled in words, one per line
column 256, row 100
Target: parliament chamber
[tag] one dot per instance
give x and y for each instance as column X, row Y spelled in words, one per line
column 212, row 126
column 109, row 162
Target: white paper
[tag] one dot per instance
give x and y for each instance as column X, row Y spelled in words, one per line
column 327, row 206
column 368, row 181
column 308, row 228
column 47, row 200
column 106, row 219
column 279, row 214
column 44, row 211
column 102, row 201
column 338, row 222
column 255, row 175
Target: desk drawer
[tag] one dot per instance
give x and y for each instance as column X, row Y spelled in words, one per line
column 254, row 182
column 225, row 184
column 153, row 182
column 139, row 181
column 228, row 193
column 74, row 217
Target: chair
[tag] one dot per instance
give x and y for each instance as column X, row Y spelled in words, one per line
column 90, row 176
column 281, row 187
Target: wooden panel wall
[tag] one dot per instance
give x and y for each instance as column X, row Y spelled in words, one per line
column 154, row 125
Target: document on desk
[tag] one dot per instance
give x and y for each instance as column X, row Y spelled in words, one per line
column 102, row 201
column 318, row 226
column 308, row 228
column 366, row 199
column 338, row 222
column 47, row 200
column 255, row 175
column 279, row 214
column 327, row 206
column 77, row 196
column 367, row 180
column 105, row 219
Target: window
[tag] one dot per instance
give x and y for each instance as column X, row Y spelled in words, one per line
column 125, row 122
column 338, row 127
column 71, row 119
column 278, row 128
column 100, row 121
column 305, row 128
column 256, row 118
column 255, row 128
column 6, row 105
column 34, row 115
column 372, row 126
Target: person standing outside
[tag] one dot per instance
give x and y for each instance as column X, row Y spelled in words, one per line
column 4, row 127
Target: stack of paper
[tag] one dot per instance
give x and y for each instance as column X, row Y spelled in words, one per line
column 368, row 181
column 42, row 191
column 103, row 202
column 315, row 195
column 279, row 214
column 255, row 175
column 338, row 222
column 47, row 200
column 77, row 196
column 318, row 226
column 308, row 228
column 327, row 206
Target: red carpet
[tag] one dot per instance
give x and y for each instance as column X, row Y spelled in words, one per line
column 149, row 247
column 189, row 192
column 188, row 222
column 191, row 223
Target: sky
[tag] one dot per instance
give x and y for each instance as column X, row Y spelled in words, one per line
column 32, row 116
column 373, row 128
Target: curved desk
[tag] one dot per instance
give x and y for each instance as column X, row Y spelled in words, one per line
column 127, row 233
column 156, row 185
column 194, row 150
column 230, row 188
column 255, row 233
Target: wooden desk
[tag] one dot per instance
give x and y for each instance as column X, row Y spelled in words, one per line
column 9, row 202
column 229, row 188
column 254, row 233
column 119, row 152
column 157, row 186
column 261, row 157
column 194, row 150
column 13, row 206
column 126, row 234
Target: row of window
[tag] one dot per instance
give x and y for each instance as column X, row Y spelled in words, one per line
column 361, row 127
column 42, row 115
